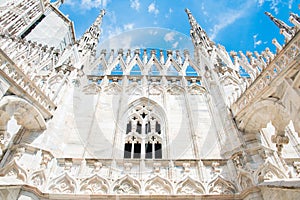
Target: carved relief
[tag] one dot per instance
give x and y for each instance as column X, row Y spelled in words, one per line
column 38, row 178
column 127, row 185
column 134, row 89
column 113, row 89
column 244, row 180
column 63, row 184
column 196, row 90
column 91, row 89
column 221, row 186
column 190, row 187
column 94, row 185
column 155, row 90
column 158, row 185
column 13, row 169
column 175, row 90
column 268, row 171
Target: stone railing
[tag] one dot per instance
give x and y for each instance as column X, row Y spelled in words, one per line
column 22, row 85
column 276, row 67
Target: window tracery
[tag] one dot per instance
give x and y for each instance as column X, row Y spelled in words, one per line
column 143, row 135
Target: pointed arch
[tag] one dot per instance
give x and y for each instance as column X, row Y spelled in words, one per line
column 135, row 70
column 143, row 118
column 99, row 70
column 113, row 89
column 154, row 70
column 268, row 171
column 136, row 61
column 25, row 113
column 196, row 89
column 127, row 185
column 13, row 169
column 38, row 178
column 175, row 89
column 117, row 70
column 63, row 184
column 172, row 71
column 91, row 89
column 158, row 185
column 189, row 186
column 244, row 179
column 221, row 186
column 94, row 185
column 273, row 110
column 134, row 89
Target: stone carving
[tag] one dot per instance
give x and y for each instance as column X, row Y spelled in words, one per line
column 221, row 186
column 196, row 89
column 244, row 179
column 158, row 185
column 296, row 165
column 38, row 178
column 92, row 89
column 94, row 185
column 186, row 167
column 175, row 90
column 190, row 187
column 127, row 185
column 97, row 166
column 63, row 184
column 113, row 89
column 156, row 167
column 215, row 168
column 279, row 141
column 155, row 89
column 46, row 157
column 13, row 169
column 19, row 152
column 268, row 171
column 134, row 89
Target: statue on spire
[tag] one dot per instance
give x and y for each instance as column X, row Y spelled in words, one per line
column 280, row 24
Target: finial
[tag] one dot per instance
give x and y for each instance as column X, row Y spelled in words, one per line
column 99, row 18
column 280, row 24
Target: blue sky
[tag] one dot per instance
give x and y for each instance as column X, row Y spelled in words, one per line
column 236, row 24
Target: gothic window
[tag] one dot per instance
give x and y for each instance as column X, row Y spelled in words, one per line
column 143, row 135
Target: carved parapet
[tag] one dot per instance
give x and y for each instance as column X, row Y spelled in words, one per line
column 281, row 62
column 16, row 76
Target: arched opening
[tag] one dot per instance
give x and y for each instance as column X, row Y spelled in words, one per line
column 144, row 131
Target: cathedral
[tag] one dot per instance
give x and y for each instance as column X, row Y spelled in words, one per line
column 77, row 122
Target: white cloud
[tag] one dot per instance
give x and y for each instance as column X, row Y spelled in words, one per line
column 229, row 17
column 174, row 45
column 256, row 42
column 169, row 36
column 290, row 3
column 169, row 13
column 153, row 9
column 88, row 4
column 274, row 4
column 135, row 4
column 128, row 26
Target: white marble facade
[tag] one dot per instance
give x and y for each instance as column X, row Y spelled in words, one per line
column 145, row 123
